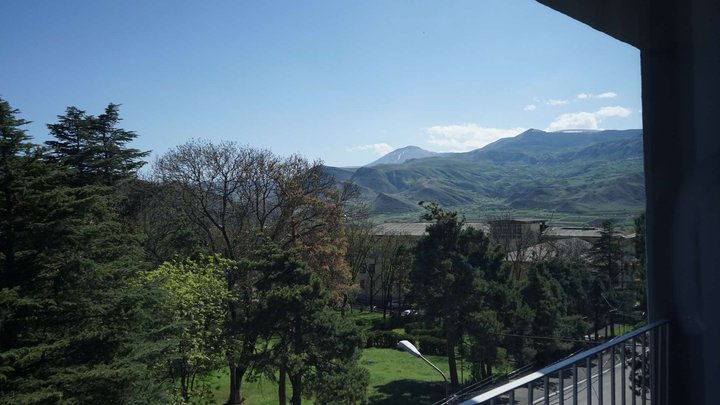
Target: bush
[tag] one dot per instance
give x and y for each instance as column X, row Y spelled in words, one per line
column 432, row 345
column 385, row 339
column 391, row 322
column 426, row 332
column 412, row 326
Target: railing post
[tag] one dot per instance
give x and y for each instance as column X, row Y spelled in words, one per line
column 642, row 367
column 600, row 378
column 530, row 393
column 588, row 380
column 575, row 383
column 633, row 382
column 666, row 371
column 623, row 385
column 612, row 375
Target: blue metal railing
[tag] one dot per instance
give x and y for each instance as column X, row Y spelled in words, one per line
column 627, row 370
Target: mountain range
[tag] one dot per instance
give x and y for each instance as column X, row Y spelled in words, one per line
column 583, row 172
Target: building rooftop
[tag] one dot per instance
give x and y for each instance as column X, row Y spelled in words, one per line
column 571, row 232
column 416, row 228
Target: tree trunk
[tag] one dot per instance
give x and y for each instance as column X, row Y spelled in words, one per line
column 386, row 298
column 296, row 382
column 282, row 395
column 234, row 398
column 344, row 304
column 372, row 294
column 452, row 364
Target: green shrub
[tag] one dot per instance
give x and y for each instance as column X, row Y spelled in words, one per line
column 391, row 322
column 384, row 339
column 412, row 326
column 432, row 345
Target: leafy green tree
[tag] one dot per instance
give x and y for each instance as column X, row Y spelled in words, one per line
column 547, row 300
column 609, row 295
column 498, row 329
column 194, row 303
column 448, row 275
column 339, row 383
column 236, row 198
column 308, row 342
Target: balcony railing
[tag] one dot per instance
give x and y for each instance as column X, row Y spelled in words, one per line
column 627, row 370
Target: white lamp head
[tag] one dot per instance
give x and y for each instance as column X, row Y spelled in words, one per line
column 409, row 347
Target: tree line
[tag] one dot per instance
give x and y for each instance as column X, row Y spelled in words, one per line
column 121, row 288
column 481, row 305
column 117, row 287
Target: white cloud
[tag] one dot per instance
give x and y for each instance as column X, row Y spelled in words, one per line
column 609, row 94
column 466, row 137
column 616, row 111
column 584, row 96
column 587, row 120
column 556, row 102
column 378, row 148
column 530, row 107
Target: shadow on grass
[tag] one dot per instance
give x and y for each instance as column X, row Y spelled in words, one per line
column 407, row 392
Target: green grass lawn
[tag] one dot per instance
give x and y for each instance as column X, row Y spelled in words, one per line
column 364, row 319
column 399, row 378
column 395, row 378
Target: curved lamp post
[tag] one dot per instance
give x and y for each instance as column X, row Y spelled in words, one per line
column 410, row 348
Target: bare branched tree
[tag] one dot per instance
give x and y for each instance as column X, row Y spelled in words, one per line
column 236, row 197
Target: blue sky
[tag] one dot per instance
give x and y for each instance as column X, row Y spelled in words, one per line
column 343, row 81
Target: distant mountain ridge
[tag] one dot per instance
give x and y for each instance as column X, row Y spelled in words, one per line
column 575, row 172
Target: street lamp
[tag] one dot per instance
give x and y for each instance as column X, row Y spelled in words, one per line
column 410, row 348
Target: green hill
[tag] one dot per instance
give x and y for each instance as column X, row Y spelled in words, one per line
column 585, row 173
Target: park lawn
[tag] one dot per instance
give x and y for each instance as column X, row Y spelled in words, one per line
column 260, row 392
column 364, row 319
column 395, row 378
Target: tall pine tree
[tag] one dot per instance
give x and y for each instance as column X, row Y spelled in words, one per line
column 72, row 327
column 94, row 149
column 450, row 276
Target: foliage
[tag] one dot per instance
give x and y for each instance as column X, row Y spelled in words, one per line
column 234, row 200
column 344, row 384
column 547, row 300
column 232, row 193
column 387, row 339
column 194, row 304
column 305, row 338
column 432, row 345
column 73, row 329
column 449, row 274
column 610, row 295
column 93, row 148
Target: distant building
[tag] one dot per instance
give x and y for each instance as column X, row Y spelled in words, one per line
column 589, row 234
column 516, row 233
column 416, row 229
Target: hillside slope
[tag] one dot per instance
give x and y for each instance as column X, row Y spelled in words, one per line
column 575, row 172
